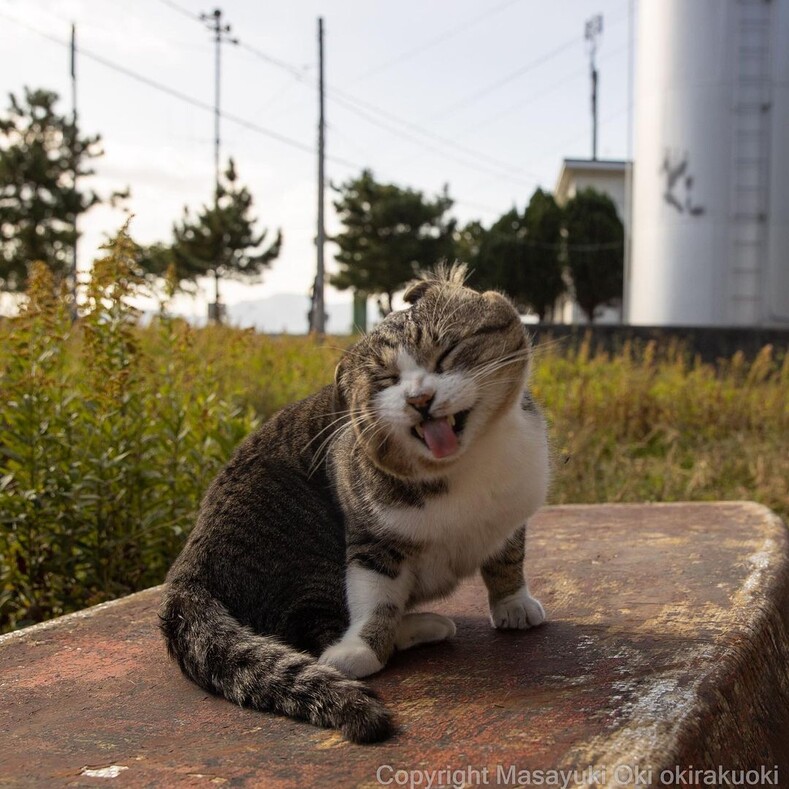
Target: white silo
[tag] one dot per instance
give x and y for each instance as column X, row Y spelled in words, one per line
column 711, row 177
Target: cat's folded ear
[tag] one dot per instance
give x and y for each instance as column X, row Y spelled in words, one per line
column 416, row 290
column 444, row 275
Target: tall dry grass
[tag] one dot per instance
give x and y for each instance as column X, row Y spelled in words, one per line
column 658, row 425
column 110, row 433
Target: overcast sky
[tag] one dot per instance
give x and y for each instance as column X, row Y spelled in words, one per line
column 487, row 97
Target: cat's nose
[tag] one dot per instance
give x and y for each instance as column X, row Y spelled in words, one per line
column 421, row 401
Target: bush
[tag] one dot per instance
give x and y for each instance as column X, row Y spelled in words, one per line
column 107, row 446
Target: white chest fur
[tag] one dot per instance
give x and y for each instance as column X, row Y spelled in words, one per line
column 499, row 483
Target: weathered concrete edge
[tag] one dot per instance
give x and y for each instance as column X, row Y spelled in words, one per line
column 748, row 689
column 77, row 616
column 730, row 687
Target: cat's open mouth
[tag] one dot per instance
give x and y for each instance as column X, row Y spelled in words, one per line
column 440, row 436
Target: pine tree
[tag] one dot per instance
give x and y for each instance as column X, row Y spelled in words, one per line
column 220, row 240
column 389, row 235
column 520, row 254
column 42, row 157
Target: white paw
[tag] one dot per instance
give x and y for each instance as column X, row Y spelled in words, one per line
column 517, row 612
column 352, row 657
column 423, row 628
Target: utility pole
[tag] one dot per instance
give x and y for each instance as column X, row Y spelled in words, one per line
column 221, row 33
column 318, row 312
column 593, row 29
column 74, row 145
column 628, row 261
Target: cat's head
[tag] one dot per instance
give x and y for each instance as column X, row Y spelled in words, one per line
column 425, row 385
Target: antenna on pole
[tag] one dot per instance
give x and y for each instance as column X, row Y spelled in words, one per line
column 76, row 165
column 213, row 22
column 317, row 311
column 592, row 30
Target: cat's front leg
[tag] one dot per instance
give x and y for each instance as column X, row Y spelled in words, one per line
column 511, row 605
column 376, row 602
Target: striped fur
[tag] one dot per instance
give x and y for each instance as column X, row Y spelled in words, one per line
column 335, row 518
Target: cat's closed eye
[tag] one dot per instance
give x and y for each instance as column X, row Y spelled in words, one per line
column 440, row 362
column 386, row 379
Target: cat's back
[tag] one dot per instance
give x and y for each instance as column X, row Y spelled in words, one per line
column 274, row 485
column 293, row 440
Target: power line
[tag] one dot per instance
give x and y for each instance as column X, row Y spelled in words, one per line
column 177, row 94
column 490, row 87
column 348, row 101
column 206, row 107
column 359, row 106
column 451, row 33
column 367, row 110
column 507, row 78
column 181, row 10
column 294, row 71
column 545, row 91
column 299, row 74
column 507, row 166
column 501, row 173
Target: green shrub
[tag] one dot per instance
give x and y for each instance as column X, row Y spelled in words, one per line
column 107, row 444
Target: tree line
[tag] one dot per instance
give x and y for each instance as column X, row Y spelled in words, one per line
column 389, row 233
column 43, row 157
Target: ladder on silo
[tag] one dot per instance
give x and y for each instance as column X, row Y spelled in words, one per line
column 750, row 164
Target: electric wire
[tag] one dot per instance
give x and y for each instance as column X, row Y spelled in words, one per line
column 485, row 91
column 364, row 108
column 206, row 107
column 177, row 94
column 445, row 36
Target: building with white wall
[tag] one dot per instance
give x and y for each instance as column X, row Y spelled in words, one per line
column 710, row 244
column 603, row 175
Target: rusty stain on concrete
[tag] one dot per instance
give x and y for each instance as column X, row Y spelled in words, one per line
column 667, row 645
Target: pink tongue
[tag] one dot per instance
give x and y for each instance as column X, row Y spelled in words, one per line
column 440, row 437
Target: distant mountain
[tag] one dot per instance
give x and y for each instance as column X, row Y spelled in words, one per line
column 286, row 313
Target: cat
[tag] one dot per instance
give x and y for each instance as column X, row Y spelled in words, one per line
column 420, row 464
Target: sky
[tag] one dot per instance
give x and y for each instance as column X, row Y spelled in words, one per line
column 486, row 96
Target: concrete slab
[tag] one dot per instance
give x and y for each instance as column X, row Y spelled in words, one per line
column 667, row 647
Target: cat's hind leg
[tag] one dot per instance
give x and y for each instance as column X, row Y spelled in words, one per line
column 423, row 628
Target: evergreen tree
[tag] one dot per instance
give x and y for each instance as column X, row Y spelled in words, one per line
column 520, row 254
column 543, row 220
column 389, row 234
column 220, row 240
column 42, row 156
column 595, row 249
column 500, row 255
column 467, row 242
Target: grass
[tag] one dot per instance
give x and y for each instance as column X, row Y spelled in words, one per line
column 655, row 426
column 110, row 433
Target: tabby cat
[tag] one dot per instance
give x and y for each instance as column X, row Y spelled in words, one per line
column 417, row 466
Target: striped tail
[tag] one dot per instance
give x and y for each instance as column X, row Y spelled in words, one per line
column 225, row 657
